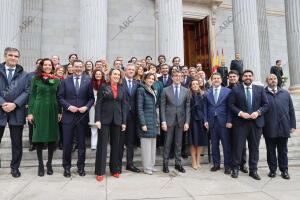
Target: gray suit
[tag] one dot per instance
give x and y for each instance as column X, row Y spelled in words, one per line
column 175, row 115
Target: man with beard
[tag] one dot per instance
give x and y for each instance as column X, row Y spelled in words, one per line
column 248, row 104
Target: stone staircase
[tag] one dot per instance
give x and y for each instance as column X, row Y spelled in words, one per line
column 30, row 159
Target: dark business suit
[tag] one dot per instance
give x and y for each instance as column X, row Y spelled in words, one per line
column 186, row 81
column 217, row 115
column 166, row 83
column 247, row 128
column 111, row 113
column 238, row 66
column 278, row 72
column 71, row 122
column 280, row 118
column 224, row 74
column 130, row 135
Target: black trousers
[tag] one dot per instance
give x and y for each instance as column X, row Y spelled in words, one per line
column 69, row 131
column 16, row 133
column 112, row 132
column 30, row 129
column 252, row 133
column 244, row 155
column 279, row 143
column 128, row 138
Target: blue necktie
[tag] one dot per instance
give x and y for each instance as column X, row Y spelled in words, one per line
column 176, row 94
column 129, row 86
column 77, row 84
column 10, row 76
column 216, row 95
column 164, row 80
column 249, row 103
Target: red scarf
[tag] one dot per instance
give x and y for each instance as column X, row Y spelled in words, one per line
column 97, row 84
column 46, row 76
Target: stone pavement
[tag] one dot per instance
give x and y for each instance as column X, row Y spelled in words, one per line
column 195, row 184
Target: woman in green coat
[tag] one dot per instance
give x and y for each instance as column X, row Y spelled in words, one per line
column 43, row 112
column 147, row 117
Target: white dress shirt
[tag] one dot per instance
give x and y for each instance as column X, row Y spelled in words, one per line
column 7, row 70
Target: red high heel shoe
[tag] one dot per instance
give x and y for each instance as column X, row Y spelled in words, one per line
column 99, row 178
column 116, row 175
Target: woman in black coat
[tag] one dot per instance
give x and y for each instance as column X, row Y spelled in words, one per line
column 110, row 118
column 197, row 133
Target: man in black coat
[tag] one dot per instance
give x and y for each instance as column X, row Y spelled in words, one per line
column 280, row 122
column 248, row 104
column 186, row 77
column 237, row 64
column 130, row 136
column 277, row 70
column 165, row 78
column 223, row 70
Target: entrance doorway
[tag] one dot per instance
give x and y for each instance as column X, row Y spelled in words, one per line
column 196, row 43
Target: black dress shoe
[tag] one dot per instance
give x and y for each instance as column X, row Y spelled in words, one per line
column 31, row 147
column 254, row 175
column 165, row 169
column 133, row 169
column 185, row 155
column 285, row 175
column 272, row 174
column 244, row 169
column 227, row 171
column 180, row 168
column 15, row 173
column 41, row 171
column 81, row 172
column 214, row 168
column 67, row 173
column 234, row 173
column 49, row 169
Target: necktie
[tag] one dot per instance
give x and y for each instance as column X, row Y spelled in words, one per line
column 129, row 86
column 216, row 95
column 274, row 91
column 176, row 94
column 249, row 102
column 77, row 84
column 164, row 80
column 10, row 76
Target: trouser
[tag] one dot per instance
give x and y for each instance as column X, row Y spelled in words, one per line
column 173, row 132
column 148, row 150
column 94, row 136
column 39, row 150
column 279, row 143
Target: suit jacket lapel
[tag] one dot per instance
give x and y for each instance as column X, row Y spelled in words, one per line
column 171, row 91
column 210, row 96
column 221, row 94
column 71, row 80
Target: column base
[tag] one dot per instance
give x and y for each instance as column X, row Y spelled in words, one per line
column 295, row 89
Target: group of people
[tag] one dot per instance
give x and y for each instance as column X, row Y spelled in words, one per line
column 172, row 106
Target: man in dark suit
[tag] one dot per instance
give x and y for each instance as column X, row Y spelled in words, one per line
column 217, row 118
column 223, row 70
column 161, row 60
column 72, row 57
column 280, row 122
column 277, row 70
column 76, row 97
column 14, row 90
column 237, row 64
column 186, row 79
column 165, row 78
column 130, row 136
column 248, row 104
column 175, row 118
column 233, row 77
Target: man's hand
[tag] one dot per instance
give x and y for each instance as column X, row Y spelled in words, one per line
column 186, row 127
column 254, row 115
column 8, row 107
column 292, row 130
column 73, row 109
column 206, row 125
column 144, row 128
column 59, row 117
column 30, row 118
column 83, row 109
column 98, row 124
column 228, row 125
column 245, row 115
column 123, row 127
column 164, row 127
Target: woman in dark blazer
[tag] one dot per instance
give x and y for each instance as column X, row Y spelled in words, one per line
column 197, row 133
column 110, row 118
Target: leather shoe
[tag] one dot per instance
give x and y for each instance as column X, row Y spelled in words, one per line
column 244, row 169
column 15, row 173
column 67, row 173
column 234, row 173
column 254, row 175
column 165, row 169
column 81, row 172
column 214, row 168
column 49, row 169
column 99, row 178
column 285, row 175
column 227, row 171
column 133, row 169
column 116, row 175
column 31, row 148
column 272, row 174
column 180, row 168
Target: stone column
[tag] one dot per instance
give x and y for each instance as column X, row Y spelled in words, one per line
column 265, row 58
column 246, row 40
column 170, row 29
column 292, row 18
column 10, row 23
column 93, row 29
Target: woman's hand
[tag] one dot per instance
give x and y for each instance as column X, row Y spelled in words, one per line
column 123, row 127
column 144, row 128
column 59, row 117
column 98, row 124
column 30, row 118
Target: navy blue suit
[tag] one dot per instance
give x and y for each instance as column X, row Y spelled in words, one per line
column 217, row 115
column 247, row 128
column 168, row 82
column 71, row 122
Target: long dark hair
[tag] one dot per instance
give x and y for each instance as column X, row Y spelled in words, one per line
column 96, row 83
column 39, row 70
